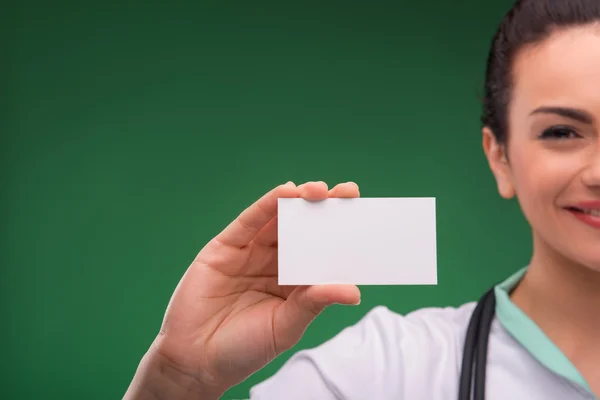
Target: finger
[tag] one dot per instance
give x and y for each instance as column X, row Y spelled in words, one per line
column 246, row 226
column 348, row 189
column 268, row 235
column 313, row 190
column 310, row 191
column 302, row 306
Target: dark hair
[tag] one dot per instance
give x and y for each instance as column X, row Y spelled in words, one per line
column 527, row 22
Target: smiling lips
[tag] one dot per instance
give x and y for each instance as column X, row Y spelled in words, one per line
column 587, row 212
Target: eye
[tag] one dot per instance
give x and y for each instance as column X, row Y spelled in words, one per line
column 559, row 133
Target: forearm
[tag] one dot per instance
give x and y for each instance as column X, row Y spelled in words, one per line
column 157, row 379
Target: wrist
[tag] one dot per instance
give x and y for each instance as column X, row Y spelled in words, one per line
column 157, row 378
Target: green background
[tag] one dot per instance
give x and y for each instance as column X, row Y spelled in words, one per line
column 133, row 133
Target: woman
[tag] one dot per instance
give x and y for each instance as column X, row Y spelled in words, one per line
column 541, row 135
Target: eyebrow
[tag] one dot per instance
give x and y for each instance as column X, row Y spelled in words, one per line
column 571, row 113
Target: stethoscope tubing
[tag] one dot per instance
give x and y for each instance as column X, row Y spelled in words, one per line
column 474, row 362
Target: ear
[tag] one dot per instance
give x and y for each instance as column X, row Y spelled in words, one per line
column 498, row 161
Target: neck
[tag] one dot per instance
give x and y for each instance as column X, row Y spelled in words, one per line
column 563, row 298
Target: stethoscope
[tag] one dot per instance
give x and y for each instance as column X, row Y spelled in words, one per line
column 476, row 348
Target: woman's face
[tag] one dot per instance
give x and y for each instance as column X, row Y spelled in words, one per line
column 553, row 164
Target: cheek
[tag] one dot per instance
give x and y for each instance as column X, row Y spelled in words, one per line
column 541, row 176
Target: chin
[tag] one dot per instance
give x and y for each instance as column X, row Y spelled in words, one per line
column 583, row 252
column 589, row 253
column 578, row 245
column 590, row 261
column 594, row 265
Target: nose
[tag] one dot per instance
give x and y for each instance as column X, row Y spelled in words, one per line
column 591, row 175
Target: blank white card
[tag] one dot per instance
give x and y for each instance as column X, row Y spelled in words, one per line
column 361, row 241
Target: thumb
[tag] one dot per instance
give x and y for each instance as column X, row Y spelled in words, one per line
column 302, row 306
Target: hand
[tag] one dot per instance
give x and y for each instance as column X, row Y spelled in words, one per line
column 228, row 317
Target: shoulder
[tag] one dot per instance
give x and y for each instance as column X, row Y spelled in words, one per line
column 381, row 354
column 382, row 329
